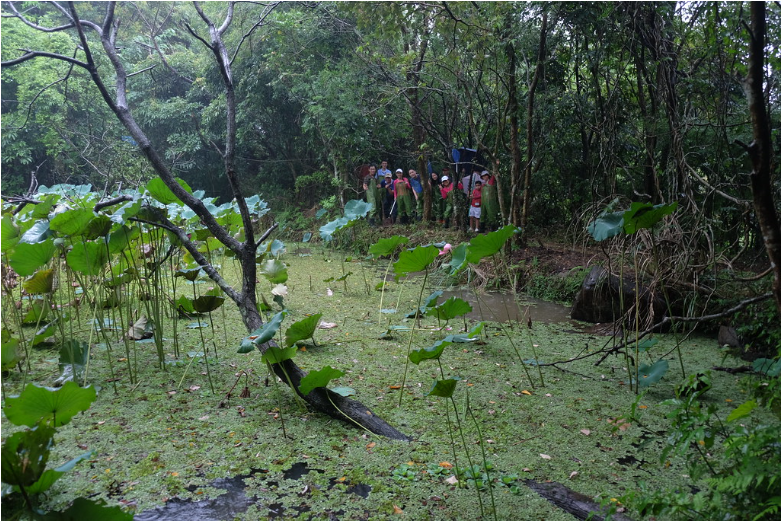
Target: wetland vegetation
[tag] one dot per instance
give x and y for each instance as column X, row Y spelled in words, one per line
column 202, row 320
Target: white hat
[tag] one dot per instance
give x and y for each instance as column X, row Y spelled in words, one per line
column 399, row 170
column 445, row 178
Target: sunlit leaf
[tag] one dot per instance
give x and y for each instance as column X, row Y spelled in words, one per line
column 54, row 406
column 9, row 235
column 302, row 330
column 10, row 354
column 417, row 259
column 429, row 353
column 263, row 334
column 158, row 190
column 451, row 308
column 38, row 232
column 88, row 257
column 276, row 355
column 742, row 410
column 387, row 246
column 28, row 257
column 644, row 215
column 275, row 271
column 72, row 222
column 40, row 283
column 488, row 244
column 318, row 379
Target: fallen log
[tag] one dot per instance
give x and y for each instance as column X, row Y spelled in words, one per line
column 579, row 505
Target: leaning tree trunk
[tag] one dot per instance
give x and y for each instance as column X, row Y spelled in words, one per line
column 761, row 149
column 320, row 399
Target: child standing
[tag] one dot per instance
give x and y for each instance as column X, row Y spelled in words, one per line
column 402, row 193
column 475, row 209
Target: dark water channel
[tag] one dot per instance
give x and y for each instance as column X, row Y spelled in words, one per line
column 235, row 501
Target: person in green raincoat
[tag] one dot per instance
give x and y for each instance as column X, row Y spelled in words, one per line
column 490, row 213
column 374, row 195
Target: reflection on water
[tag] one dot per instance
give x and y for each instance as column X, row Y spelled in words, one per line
column 502, row 307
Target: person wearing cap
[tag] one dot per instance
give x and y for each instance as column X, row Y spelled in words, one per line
column 476, row 207
column 389, row 209
column 490, row 212
column 402, row 194
column 445, row 188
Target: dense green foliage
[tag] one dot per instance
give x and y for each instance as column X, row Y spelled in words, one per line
column 637, row 100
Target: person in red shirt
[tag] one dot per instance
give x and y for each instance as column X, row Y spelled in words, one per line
column 475, row 209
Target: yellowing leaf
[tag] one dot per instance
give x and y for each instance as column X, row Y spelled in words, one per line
column 371, row 445
column 445, row 464
column 397, row 510
column 527, row 393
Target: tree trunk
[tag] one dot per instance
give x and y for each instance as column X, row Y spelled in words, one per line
column 515, row 148
column 527, row 179
column 761, row 149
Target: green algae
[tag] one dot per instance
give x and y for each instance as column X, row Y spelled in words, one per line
column 167, row 436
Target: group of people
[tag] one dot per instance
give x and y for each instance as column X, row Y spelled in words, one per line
column 470, row 203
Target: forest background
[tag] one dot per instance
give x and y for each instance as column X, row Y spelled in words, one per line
column 570, row 105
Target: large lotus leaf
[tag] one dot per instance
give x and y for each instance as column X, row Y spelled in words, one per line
column 10, row 355
column 28, row 257
column 387, row 246
column 25, row 454
column 767, row 366
column 488, row 244
column 444, row 388
column 40, row 283
column 302, row 330
column 75, row 191
column 158, row 189
column 207, row 303
column 231, row 220
column 86, row 509
column 277, row 355
column 38, row 232
column 643, row 215
column 48, row 478
column 458, row 258
column 126, row 211
column 42, row 209
column 54, row 406
column 263, row 334
column 185, row 305
column 210, row 245
column 327, row 230
column 190, row 273
column 430, row 301
column 201, row 234
column 88, row 257
column 276, row 247
column 451, row 308
column 36, row 313
column 275, row 271
column 607, row 225
column 356, row 208
column 318, row 379
column 414, row 260
column 652, row 373
column 470, row 336
column 73, row 222
column 99, row 226
column 429, row 353
column 9, row 234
